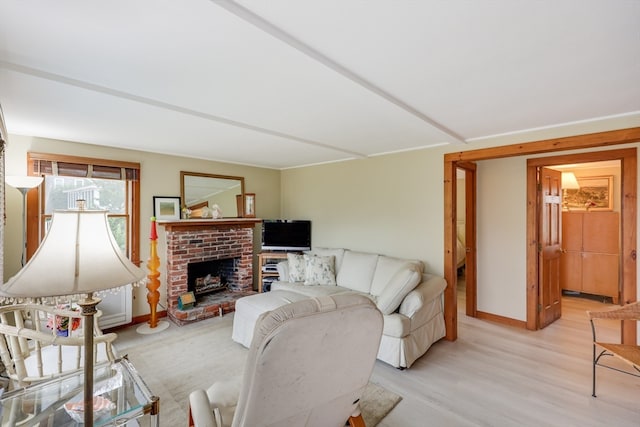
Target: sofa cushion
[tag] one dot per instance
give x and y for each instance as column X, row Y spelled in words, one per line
column 319, row 270
column 402, row 282
column 357, row 271
column 337, row 253
column 309, row 290
column 386, row 268
column 297, row 270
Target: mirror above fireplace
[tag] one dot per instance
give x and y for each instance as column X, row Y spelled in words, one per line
column 202, row 190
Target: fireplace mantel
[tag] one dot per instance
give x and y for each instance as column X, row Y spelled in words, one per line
column 199, row 223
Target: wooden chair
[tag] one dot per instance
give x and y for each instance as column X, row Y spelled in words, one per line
column 626, row 352
column 31, row 351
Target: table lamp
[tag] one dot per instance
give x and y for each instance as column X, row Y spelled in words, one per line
column 78, row 256
column 568, row 182
column 23, row 184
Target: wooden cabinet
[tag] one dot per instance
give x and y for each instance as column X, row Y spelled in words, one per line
column 590, row 262
column 266, row 271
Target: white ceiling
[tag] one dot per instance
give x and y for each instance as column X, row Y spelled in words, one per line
column 285, row 83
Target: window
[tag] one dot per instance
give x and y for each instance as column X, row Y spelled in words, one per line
column 103, row 184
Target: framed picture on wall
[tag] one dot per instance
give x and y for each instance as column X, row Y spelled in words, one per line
column 249, row 205
column 595, row 194
column 166, row 207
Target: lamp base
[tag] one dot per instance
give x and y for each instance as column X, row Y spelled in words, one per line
column 145, row 329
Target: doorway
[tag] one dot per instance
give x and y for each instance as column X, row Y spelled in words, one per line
column 580, row 142
column 628, row 207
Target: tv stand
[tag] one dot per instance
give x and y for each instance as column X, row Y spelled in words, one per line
column 266, row 260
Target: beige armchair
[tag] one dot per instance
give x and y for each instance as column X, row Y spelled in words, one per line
column 34, row 345
column 308, row 365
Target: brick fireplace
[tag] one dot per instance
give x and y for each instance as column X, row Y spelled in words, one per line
column 198, row 241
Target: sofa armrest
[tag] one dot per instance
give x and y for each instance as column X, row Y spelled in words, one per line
column 283, row 271
column 431, row 287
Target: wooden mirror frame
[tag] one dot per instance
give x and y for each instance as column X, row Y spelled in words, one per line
column 225, row 210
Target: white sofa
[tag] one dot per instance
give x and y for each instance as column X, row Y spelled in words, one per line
column 410, row 300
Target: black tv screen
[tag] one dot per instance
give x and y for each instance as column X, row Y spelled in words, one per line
column 286, row 235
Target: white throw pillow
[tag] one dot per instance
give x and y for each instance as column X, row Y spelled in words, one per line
column 357, row 271
column 402, row 282
column 385, row 269
column 320, row 270
column 297, row 271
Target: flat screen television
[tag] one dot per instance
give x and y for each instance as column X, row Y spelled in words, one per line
column 286, row 235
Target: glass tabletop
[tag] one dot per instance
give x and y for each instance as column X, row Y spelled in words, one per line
column 120, row 395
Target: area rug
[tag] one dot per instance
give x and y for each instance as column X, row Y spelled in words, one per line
column 179, row 360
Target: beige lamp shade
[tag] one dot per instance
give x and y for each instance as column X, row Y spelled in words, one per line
column 78, row 255
column 23, row 182
column 569, row 181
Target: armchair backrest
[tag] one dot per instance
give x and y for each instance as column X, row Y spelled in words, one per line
column 39, row 342
column 309, row 362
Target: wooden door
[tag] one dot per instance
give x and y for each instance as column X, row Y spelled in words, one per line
column 550, row 249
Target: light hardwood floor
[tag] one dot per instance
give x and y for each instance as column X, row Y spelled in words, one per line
column 496, row 375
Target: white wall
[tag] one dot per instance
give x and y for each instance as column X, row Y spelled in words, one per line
column 501, row 237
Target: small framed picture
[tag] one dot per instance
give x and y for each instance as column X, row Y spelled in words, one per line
column 249, row 205
column 166, row 207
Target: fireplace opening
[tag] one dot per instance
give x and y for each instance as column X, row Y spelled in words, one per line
column 212, row 276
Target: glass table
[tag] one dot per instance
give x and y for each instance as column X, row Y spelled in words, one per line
column 123, row 397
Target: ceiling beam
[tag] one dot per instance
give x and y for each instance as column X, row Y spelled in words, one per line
column 269, row 28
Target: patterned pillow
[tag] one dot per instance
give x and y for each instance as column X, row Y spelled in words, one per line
column 320, row 270
column 296, row 268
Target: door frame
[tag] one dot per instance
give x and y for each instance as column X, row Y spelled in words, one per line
column 470, row 270
column 577, row 142
column 628, row 207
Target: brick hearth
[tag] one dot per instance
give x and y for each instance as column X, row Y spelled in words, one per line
column 205, row 240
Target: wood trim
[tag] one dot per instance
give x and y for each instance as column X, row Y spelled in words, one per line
column 577, row 142
column 470, row 238
column 137, row 320
column 135, row 220
column 507, row 321
column 532, row 250
column 88, row 160
column 592, row 140
column 628, row 222
column 198, row 224
column 145, row 317
column 450, row 242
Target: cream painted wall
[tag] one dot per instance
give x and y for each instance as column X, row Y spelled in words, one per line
column 501, row 237
column 390, row 204
column 393, row 204
column 160, row 176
